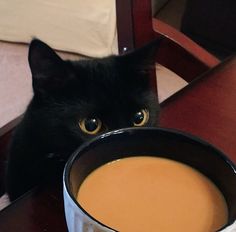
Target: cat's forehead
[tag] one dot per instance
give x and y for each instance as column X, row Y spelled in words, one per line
column 102, row 85
column 95, row 65
column 109, row 71
column 105, row 81
column 104, row 73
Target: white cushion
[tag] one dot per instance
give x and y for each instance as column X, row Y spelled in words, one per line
column 84, row 27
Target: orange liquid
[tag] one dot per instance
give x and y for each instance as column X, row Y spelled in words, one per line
column 152, row 194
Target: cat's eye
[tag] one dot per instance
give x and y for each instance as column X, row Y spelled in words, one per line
column 141, row 117
column 90, row 125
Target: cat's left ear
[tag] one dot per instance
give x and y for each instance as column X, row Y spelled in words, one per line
column 42, row 59
column 46, row 66
column 142, row 58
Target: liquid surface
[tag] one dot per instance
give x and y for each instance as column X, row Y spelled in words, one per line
column 138, row 194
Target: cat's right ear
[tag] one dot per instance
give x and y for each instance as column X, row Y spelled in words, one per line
column 45, row 65
column 142, row 58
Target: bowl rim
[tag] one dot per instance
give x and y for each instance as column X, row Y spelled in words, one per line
column 129, row 131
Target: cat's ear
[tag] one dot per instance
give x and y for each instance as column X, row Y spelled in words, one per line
column 142, row 58
column 45, row 65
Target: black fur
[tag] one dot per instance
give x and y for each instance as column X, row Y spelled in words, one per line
column 111, row 88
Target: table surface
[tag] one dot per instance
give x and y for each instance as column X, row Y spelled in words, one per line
column 205, row 108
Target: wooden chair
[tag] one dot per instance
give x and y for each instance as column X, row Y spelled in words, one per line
column 135, row 27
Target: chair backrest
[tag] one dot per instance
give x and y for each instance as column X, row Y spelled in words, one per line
column 134, row 23
column 134, row 27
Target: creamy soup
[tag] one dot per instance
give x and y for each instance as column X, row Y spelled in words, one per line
column 139, row 194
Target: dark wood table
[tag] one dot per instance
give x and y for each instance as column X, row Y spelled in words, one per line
column 206, row 108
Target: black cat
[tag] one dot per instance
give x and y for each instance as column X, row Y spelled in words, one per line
column 74, row 101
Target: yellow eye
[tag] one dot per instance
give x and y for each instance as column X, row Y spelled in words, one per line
column 141, row 117
column 90, row 126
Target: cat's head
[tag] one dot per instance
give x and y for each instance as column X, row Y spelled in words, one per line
column 80, row 99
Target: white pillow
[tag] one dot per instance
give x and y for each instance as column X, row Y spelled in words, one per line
column 84, row 27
